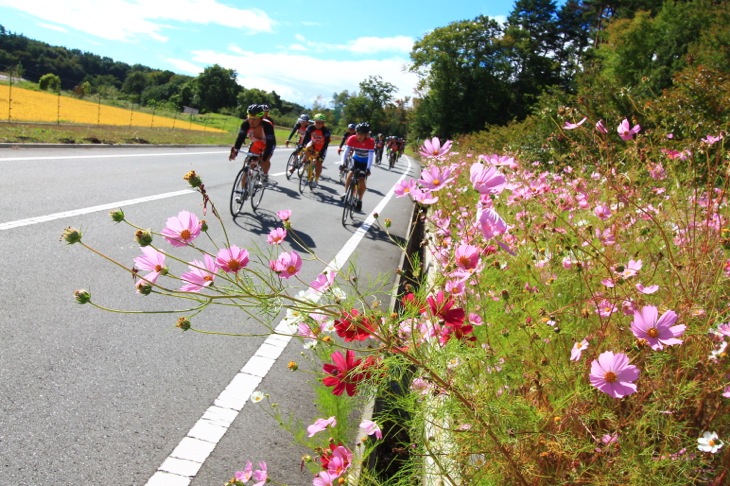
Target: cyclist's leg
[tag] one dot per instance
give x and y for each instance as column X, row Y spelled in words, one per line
column 319, row 161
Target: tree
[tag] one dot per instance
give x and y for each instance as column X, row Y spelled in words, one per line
column 134, row 84
column 216, row 88
column 50, row 82
column 465, row 79
column 378, row 94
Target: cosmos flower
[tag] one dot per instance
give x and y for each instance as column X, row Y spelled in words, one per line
column 613, row 375
column 658, row 332
column 433, row 148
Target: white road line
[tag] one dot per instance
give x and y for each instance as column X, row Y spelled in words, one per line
column 93, row 209
column 183, row 464
column 110, row 156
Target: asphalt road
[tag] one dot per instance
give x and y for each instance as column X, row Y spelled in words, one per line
column 89, row 397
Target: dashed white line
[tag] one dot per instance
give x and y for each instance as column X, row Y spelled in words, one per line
column 185, row 461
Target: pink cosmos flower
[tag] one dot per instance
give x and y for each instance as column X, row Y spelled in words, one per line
column 340, row 460
column 572, row 126
column 434, row 178
column 578, row 349
column 423, row 197
column 151, row 261
column 284, row 214
column 498, row 160
column 487, row 180
column 712, row 139
column 232, row 259
column 244, row 475
column 276, row 236
column 287, row 265
column 724, row 329
column 647, row 290
column 613, row 375
column 201, row 274
column 369, row 428
column 631, row 269
column 605, row 308
column 600, row 127
column 324, row 281
column 626, row 132
column 726, row 392
column 491, row 224
column 261, row 474
column 657, row 172
column 404, row 187
column 467, row 256
column 320, row 424
column 602, row 211
column 433, row 148
column 657, row 332
column 324, row 478
column 182, row 229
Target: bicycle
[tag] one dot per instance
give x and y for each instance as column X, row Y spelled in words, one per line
column 345, row 168
column 248, row 184
column 350, row 199
column 392, row 158
column 294, row 162
column 306, row 172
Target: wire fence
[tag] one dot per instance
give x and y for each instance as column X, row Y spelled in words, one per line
column 23, row 106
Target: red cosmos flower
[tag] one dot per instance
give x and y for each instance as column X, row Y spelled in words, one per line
column 410, row 303
column 441, row 307
column 343, row 375
column 353, row 327
column 335, row 452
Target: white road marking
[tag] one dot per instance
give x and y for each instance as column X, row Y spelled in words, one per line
column 183, row 464
column 110, row 156
column 93, row 209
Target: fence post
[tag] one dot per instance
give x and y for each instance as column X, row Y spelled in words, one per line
column 58, row 108
column 98, row 112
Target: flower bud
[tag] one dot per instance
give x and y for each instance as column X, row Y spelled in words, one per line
column 388, row 222
column 143, row 288
column 293, row 366
column 203, row 226
column 143, row 237
column 71, row 235
column 82, row 296
column 193, row 179
column 183, row 323
column 117, row 215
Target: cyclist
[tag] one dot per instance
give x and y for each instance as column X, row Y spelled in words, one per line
column 261, row 134
column 300, row 126
column 266, row 114
column 317, row 139
column 401, row 146
column 379, row 146
column 362, row 147
column 348, row 133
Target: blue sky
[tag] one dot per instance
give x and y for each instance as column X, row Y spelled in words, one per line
column 303, row 50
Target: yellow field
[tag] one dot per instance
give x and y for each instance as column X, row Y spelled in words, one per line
column 36, row 106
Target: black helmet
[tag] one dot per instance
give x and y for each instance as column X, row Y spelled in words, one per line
column 351, row 126
column 255, row 110
column 363, row 127
column 304, row 117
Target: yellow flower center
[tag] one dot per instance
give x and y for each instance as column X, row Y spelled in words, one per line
column 652, row 333
column 711, row 442
column 291, row 269
column 435, row 152
column 610, row 376
column 436, row 182
column 208, row 278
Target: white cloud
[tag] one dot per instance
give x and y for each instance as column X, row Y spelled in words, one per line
column 137, row 20
column 302, row 79
column 361, row 45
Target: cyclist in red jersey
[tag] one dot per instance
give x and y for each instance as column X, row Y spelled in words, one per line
column 362, row 147
column 261, row 134
column 317, row 139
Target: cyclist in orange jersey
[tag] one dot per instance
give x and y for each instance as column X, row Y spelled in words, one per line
column 317, row 139
column 261, row 134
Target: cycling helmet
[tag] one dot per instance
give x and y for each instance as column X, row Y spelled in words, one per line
column 319, row 117
column 255, row 110
column 351, row 126
column 304, row 117
column 363, row 127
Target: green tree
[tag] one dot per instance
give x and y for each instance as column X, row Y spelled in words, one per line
column 135, row 84
column 50, row 82
column 378, row 94
column 216, row 88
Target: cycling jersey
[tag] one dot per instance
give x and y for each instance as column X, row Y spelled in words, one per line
column 264, row 133
column 320, row 138
column 362, row 152
column 301, row 128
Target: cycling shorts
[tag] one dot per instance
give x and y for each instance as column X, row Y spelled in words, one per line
column 363, row 166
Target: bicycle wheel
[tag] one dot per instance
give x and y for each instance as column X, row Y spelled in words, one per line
column 302, row 164
column 304, row 176
column 258, row 189
column 238, row 194
column 291, row 165
column 348, row 203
